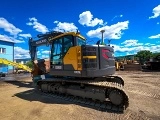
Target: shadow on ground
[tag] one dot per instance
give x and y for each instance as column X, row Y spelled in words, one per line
column 34, row 95
column 146, row 70
column 21, row 83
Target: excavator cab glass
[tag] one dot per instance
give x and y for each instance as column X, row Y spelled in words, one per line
column 60, row 47
column 80, row 41
column 57, row 51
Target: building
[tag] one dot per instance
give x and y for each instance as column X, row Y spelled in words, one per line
column 7, row 52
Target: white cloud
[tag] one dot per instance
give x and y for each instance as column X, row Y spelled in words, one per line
column 33, row 19
column 111, row 32
column 29, row 23
column 37, row 26
column 118, row 48
column 156, row 12
column 116, row 17
column 8, row 27
column 128, row 43
column 135, row 49
column 67, row 27
column 21, row 38
column 86, row 18
column 155, row 48
column 121, row 16
column 21, row 53
column 46, row 52
column 56, row 21
column 38, row 53
column 147, row 44
column 10, row 39
column 154, row 36
column 25, row 35
column 45, row 56
column 124, row 49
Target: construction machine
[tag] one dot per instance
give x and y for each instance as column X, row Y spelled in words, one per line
column 17, row 65
column 152, row 64
column 119, row 65
column 77, row 69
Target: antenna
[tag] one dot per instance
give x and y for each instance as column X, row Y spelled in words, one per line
column 109, row 41
column 102, row 31
column 98, row 42
column 77, row 32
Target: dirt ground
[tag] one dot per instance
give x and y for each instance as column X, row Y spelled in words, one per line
column 19, row 101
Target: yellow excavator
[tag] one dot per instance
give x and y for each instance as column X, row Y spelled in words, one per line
column 82, row 72
column 17, row 65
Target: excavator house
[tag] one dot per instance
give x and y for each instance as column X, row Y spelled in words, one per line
column 77, row 70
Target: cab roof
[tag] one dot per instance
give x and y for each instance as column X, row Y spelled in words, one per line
column 67, row 33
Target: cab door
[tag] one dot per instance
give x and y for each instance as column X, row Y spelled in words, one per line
column 56, row 54
column 60, row 47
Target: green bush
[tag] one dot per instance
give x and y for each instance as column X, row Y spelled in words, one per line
column 29, row 64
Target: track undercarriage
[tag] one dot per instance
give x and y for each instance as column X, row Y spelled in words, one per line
column 102, row 90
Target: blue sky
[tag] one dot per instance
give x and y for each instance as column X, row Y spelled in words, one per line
column 131, row 25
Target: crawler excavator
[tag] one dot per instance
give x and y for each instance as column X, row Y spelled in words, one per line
column 77, row 70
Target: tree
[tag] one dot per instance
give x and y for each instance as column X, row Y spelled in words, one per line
column 29, row 64
column 144, row 55
column 154, row 55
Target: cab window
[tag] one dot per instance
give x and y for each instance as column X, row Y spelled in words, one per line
column 80, row 41
column 57, row 51
column 60, row 48
column 68, row 42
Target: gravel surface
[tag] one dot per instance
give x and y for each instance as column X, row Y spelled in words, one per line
column 19, row 101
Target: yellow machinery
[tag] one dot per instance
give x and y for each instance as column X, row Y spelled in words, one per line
column 77, row 70
column 17, row 65
column 119, row 65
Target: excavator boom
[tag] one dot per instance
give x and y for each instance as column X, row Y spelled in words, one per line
column 18, row 65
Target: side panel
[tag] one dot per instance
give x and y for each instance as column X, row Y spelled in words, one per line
column 100, row 61
column 73, row 59
column 106, row 57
